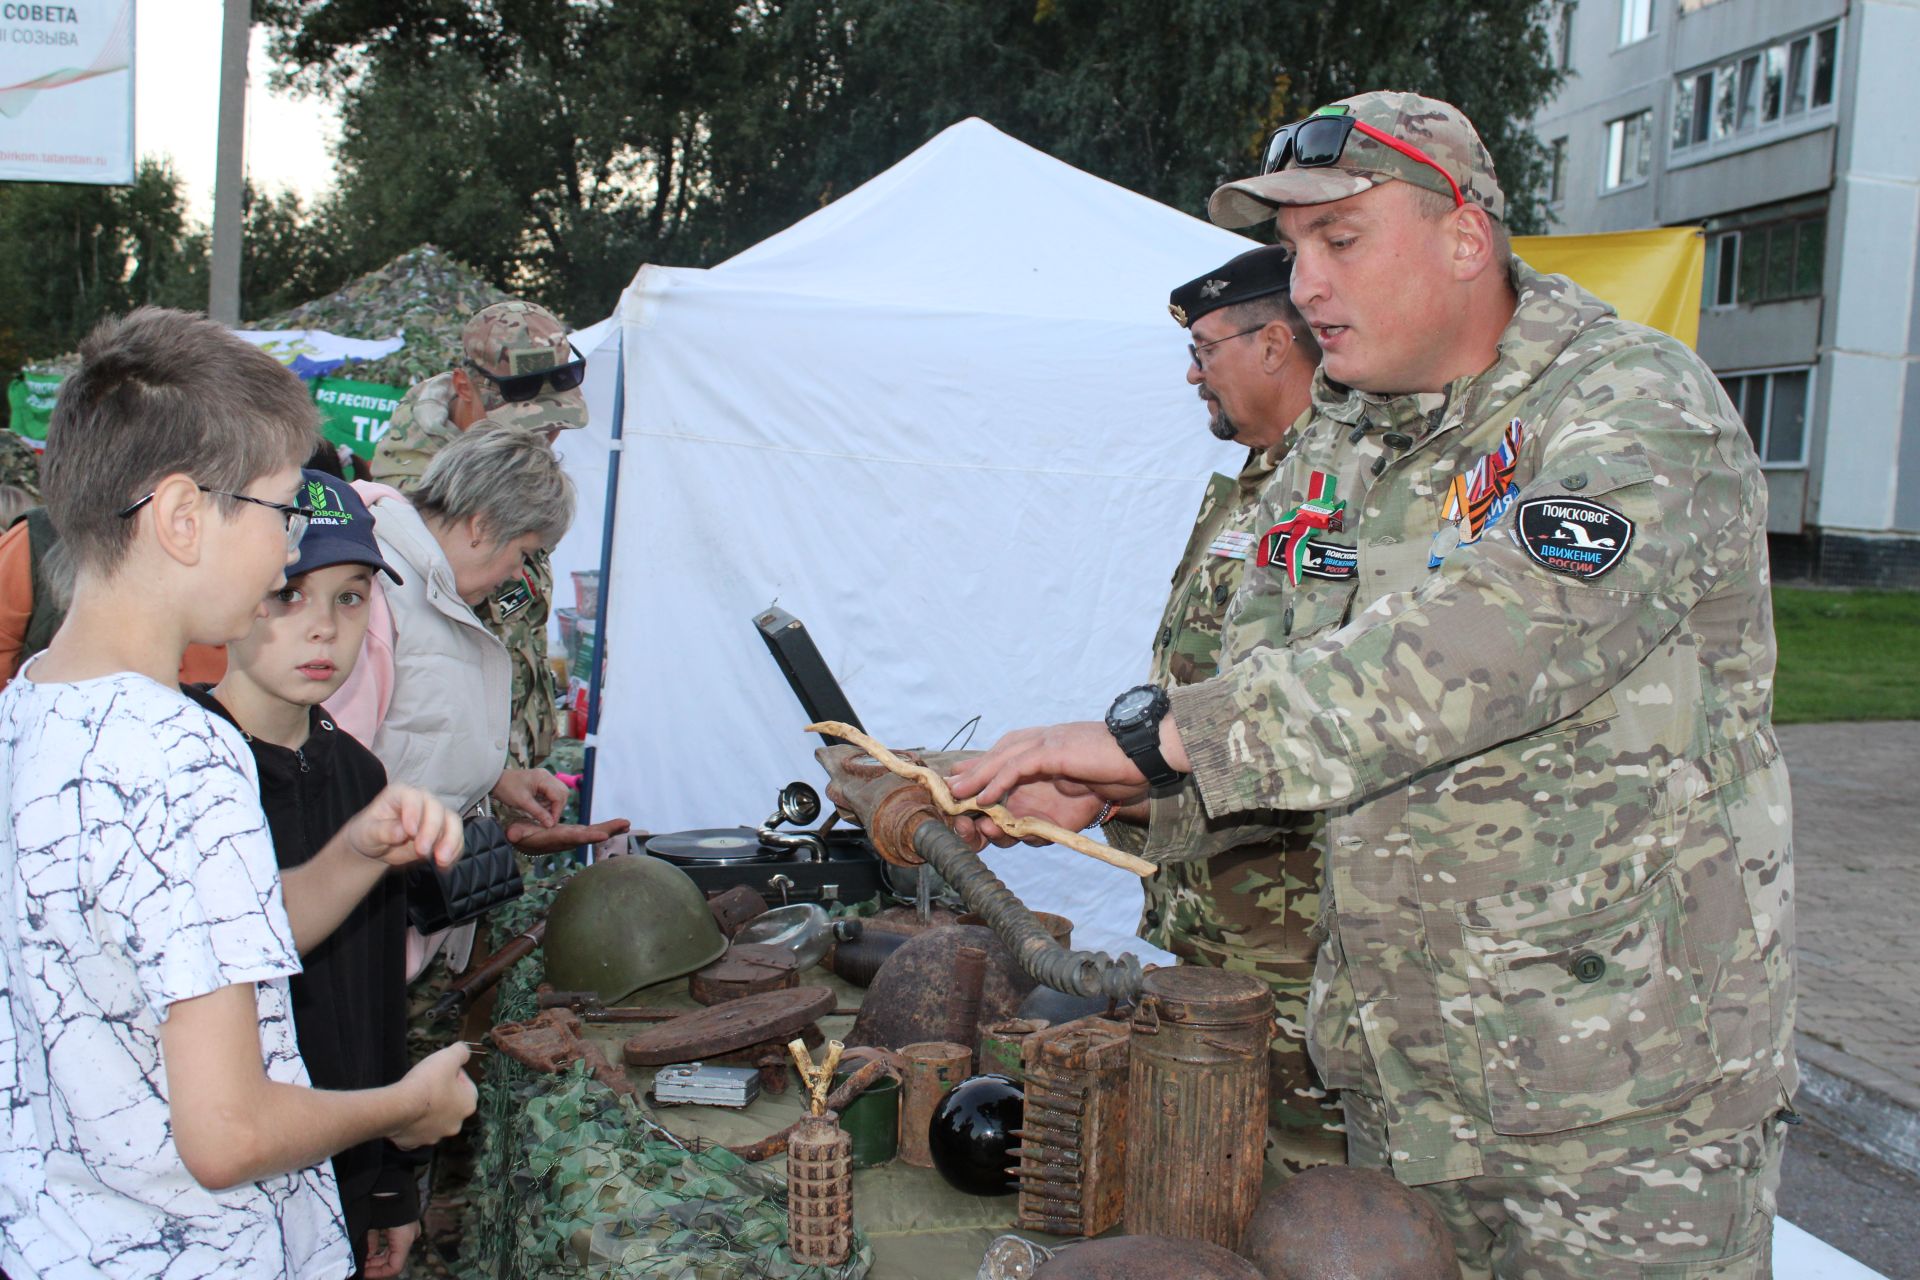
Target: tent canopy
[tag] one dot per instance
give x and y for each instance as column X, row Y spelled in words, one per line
column 944, row 422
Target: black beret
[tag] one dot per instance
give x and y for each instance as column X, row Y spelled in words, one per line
column 1253, row 274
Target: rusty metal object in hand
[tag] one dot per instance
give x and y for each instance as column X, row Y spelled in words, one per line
column 942, row 797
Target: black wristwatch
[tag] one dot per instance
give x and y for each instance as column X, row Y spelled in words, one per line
column 1134, row 721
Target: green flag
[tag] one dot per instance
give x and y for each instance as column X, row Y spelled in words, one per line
column 30, row 398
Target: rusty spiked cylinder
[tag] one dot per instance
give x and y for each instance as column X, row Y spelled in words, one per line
column 1073, row 1136
column 820, row 1191
column 1197, row 1095
column 933, row 1068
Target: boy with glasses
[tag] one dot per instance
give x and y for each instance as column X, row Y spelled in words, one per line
column 159, row 1119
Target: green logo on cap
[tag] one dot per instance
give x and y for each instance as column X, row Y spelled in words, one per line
column 318, row 509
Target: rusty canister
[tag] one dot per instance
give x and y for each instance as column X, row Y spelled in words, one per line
column 933, row 1067
column 1197, row 1096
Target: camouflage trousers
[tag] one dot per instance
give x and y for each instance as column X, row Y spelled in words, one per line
column 1686, row 1214
column 1253, row 910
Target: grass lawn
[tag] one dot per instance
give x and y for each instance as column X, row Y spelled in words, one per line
column 1846, row 655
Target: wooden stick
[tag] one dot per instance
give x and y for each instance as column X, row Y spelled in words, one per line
column 1019, row 828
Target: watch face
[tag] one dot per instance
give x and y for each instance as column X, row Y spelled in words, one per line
column 1131, row 705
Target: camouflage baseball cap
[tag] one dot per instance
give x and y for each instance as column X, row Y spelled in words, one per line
column 512, row 338
column 1439, row 129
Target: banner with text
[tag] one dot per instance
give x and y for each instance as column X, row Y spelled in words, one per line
column 355, row 413
column 66, row 91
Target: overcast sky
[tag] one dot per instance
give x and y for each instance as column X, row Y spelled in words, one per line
column 177, row 103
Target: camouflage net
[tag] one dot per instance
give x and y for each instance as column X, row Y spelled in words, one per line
column 424, row 295
column 574, row 1180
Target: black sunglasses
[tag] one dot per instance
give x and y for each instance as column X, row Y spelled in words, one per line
column 1317, row 141
column 517, row 387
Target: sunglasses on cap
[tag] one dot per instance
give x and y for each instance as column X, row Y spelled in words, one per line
column 1317, row 141
column 515, row 388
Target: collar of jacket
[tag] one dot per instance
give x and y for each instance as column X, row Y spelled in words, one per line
column 1552, row 311
column 398, row 525
column 278, row 764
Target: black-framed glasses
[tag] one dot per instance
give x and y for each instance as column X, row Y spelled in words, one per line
column 515, row 388
column 296, row 518
column 1193, row 351
column 1317, row 141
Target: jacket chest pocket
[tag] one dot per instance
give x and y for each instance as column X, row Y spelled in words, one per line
column 1586, row 1018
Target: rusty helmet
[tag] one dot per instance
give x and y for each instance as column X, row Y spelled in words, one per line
column 1337, row 1223
column 1145, row 1258
column 914, row 995
column 627, row 923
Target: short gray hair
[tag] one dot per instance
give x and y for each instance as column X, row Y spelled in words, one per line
column 507, row 478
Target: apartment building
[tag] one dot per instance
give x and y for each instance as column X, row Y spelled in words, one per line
column 1787, row 130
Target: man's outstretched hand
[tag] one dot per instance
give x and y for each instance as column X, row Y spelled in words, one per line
column 1083, row 752
column 531, row 837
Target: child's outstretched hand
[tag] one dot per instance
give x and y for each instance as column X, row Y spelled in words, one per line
column 405, row 825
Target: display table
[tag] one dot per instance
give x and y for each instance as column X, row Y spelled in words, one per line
column 567, row 1181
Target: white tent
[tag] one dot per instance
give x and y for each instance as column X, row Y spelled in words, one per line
column 943, row 421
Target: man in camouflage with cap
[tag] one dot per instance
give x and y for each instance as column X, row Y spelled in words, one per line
column 510, row 349
column 1508, row 628
column 1252, row 909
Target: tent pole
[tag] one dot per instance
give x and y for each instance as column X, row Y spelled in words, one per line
column 606, row 576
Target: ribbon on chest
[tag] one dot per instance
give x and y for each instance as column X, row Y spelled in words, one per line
column 1290, row 542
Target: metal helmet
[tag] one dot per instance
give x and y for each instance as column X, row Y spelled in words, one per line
column 1342, row 1223
column 627, row 923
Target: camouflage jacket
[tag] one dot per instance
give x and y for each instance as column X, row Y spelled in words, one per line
column 19, row 464
column 421, row 426
column 1528, row 676
column 1186, row 649
column 1250, row 908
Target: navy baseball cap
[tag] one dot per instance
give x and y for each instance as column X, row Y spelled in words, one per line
column 339, row 527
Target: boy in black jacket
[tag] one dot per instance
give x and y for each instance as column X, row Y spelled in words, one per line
column 350, row 1004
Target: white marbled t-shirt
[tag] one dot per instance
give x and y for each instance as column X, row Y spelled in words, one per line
column 138, row 871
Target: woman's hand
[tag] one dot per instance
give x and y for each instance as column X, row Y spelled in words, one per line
column 534, row 792
column 530, row 837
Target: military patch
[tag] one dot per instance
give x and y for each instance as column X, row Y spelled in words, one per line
column 1478, row 497
column 1574, row 536
column 514, row 598
column 1312, row 559
column 1234, row 544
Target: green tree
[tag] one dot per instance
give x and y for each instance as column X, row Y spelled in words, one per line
column 558, row 145
column 72, row 253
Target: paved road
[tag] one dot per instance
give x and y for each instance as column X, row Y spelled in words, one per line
column 1853, row 1202
column 1856, row 838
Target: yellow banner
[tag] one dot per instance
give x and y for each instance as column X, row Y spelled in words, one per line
column 1650, row 277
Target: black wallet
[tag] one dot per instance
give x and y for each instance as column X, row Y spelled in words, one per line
column 487, row 875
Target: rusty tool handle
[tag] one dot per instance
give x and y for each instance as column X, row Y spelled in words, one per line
column 850, row 1088
column 481, row 980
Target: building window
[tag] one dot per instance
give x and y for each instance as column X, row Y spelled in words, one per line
column 1774, row 405
column 1557, row 171
column 1744, row 97
column 1636, row 20
column 1563, row 35
column 1717, row 284
column 1629, row 155
column 1766, row 262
